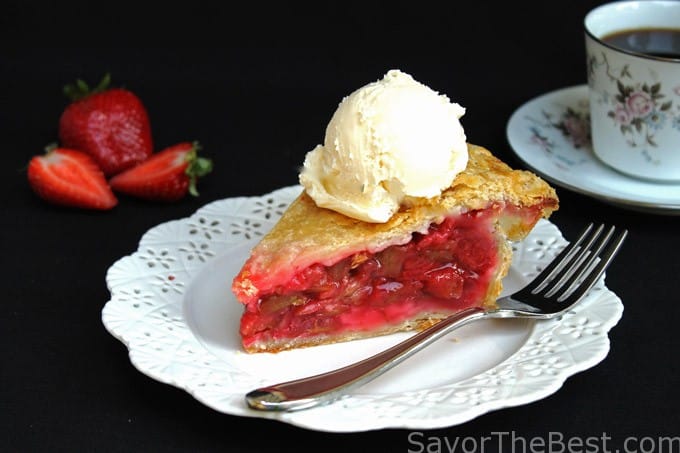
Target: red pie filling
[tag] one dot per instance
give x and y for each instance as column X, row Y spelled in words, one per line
column 445, row 270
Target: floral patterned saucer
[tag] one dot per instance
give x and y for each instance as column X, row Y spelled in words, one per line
column 551, row 135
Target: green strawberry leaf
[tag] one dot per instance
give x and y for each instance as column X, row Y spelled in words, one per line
column 197, row 168
column 80, row 89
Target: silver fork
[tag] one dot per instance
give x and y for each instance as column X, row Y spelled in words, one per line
column 561, row 285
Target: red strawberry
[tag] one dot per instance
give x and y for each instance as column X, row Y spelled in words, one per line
column 70, row 178
column 166, row 176
column 110, row 124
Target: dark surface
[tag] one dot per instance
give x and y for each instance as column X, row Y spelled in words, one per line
column 205, row 73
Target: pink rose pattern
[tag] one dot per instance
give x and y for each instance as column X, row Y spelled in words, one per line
column 574, row 125
column 621, row 115
column 639, row 110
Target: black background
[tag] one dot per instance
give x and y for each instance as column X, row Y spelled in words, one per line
column 257, row 87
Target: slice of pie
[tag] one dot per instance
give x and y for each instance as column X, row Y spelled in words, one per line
column 321, row 277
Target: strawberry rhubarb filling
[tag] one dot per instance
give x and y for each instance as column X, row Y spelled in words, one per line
column 444, row 271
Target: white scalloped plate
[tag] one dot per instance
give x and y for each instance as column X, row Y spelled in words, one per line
column 171, row 305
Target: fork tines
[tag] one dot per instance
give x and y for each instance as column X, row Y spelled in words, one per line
column 579, row 266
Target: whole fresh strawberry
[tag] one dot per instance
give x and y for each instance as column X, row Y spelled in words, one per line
column 167, row 175
column 70, row 178
column 110, row 124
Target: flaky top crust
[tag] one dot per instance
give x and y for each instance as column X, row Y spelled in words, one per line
column 307, row 234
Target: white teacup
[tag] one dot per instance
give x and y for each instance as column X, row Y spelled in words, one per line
column 634, row 92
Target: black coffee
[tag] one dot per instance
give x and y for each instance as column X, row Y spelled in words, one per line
column 658, row 42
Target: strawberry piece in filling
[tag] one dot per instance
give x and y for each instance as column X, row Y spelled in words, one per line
column 444, row 271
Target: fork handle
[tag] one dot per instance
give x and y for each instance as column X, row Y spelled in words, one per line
column 328, row 387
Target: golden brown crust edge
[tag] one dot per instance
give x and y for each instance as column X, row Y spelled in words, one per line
column 307, row 234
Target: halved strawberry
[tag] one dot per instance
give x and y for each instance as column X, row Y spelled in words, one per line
column 70, row 178
column 166, row 176
column 109, row 124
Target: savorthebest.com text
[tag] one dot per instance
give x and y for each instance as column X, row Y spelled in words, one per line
column 553, row 442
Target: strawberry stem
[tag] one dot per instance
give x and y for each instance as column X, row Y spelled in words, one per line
column 197, row 168
column 81, row 89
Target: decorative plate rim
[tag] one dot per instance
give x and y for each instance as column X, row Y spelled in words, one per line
column 145, row 312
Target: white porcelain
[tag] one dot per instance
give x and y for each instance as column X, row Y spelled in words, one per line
column 171, row 305
column 551, row 135
column 634, row 98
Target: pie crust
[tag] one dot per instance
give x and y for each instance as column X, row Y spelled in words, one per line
column 307, row 235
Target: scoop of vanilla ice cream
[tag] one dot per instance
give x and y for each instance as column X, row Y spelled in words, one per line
column 390, row 139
